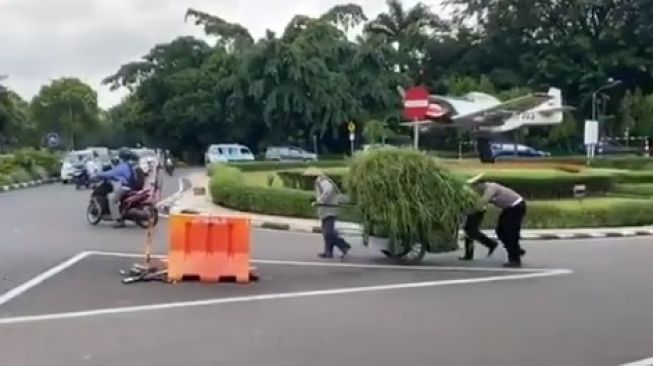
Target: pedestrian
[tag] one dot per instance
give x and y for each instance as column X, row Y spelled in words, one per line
column 513, row 210
column 327, row 202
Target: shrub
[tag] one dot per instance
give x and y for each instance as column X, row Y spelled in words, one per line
column 630, row 189
column 21, row 175
column 595, row 212
column 5, row 180
column 277, row 165
column 304, row 180
column 228, row 189
column 39, row 173
column 529, row 183
column 408, row 197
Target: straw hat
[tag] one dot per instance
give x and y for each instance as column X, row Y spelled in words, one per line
column 475, row 179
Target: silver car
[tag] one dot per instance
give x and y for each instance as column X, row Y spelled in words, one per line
column 288, row 153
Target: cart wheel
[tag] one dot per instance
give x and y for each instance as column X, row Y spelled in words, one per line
column 414, row 255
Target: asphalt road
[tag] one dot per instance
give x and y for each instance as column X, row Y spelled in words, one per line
column 359, row 313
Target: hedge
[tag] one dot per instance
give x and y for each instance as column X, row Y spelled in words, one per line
column 227, row 189
column 26, row 165
column 611, row 162
column 531, row 185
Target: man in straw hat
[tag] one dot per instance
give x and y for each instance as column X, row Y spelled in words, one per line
column 513, row 210
column 327, row 202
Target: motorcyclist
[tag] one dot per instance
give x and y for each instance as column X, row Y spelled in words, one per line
column 120, row 177
column 91, row 165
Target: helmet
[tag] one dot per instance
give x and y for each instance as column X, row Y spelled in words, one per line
column 125, row 154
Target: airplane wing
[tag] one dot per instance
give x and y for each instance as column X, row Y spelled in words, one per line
column 496, row 113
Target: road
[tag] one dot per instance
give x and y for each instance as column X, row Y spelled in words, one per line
column 360, row 313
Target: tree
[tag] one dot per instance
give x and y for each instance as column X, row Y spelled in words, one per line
column 376, row 131
column 67, row 106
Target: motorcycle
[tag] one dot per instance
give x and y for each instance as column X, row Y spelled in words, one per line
column 136, row 206
column 169, row 167
column 80, row 177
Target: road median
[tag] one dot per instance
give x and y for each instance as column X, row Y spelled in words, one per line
column 190, row 202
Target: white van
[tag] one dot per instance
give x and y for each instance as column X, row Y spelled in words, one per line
column 223, row 153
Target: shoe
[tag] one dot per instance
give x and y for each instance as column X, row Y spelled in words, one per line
column 512, row 264
column 466, row 258
column 522, row 252
column 325, row 255
column 490, row 251
column 345, row 251
column 119, row 224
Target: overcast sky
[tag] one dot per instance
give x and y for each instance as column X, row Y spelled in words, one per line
column 46, row 39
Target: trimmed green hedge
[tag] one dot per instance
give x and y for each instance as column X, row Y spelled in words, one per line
column 610, row 162
column 637, row 189
column 531, row 185
column 227, row 189
column 26, row 165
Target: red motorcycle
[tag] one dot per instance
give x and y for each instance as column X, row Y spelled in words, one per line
column 136, row 206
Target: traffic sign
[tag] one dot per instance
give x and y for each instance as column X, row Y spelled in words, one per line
column 352, row 127
column 591, row 132
column 52, row 139
column 416, row 103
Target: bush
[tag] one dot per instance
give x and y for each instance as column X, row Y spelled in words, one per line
column 228, row 189
column 596, row 212
column 277, row 165
column 641, row 189
column 529, row 183
column 534, row 186
column 39, row 173
column 5, row 180
column 21, row 175
column 305, row 180
column 610, row 162
column 408, row 197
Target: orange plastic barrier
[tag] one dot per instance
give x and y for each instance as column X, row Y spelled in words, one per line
column 212, row 248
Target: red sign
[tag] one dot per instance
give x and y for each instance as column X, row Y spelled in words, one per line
column 416, row 103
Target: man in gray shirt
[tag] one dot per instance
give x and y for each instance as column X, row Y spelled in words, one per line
column 513, row 210
column 327, row 202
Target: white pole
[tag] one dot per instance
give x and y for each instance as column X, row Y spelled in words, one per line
column 416, row 135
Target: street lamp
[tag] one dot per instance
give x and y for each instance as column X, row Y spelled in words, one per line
column 611, row 84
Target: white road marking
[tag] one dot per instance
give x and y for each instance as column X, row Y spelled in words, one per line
column 17, row 291
column 171, row 197
column 277, row 296
column 645, row 362
column 358, row 265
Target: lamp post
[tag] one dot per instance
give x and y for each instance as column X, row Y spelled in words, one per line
column 611, row 84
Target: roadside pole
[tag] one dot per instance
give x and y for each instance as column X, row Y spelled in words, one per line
column 351, row 126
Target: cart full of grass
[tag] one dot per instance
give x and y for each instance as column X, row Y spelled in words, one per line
column 409, row 202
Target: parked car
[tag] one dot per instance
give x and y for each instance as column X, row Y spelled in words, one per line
column 283, row 153
column 223, row 153
column 507, row 150
column 615, row 148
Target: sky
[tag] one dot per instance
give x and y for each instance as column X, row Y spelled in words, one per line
column 41, row 40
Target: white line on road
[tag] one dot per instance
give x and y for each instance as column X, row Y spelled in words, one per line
column 359, row 265
column 17, row 291
column 645, row 362
column 277, row 296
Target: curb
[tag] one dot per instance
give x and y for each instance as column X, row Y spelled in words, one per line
column 34, row 183
column 167, row 205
